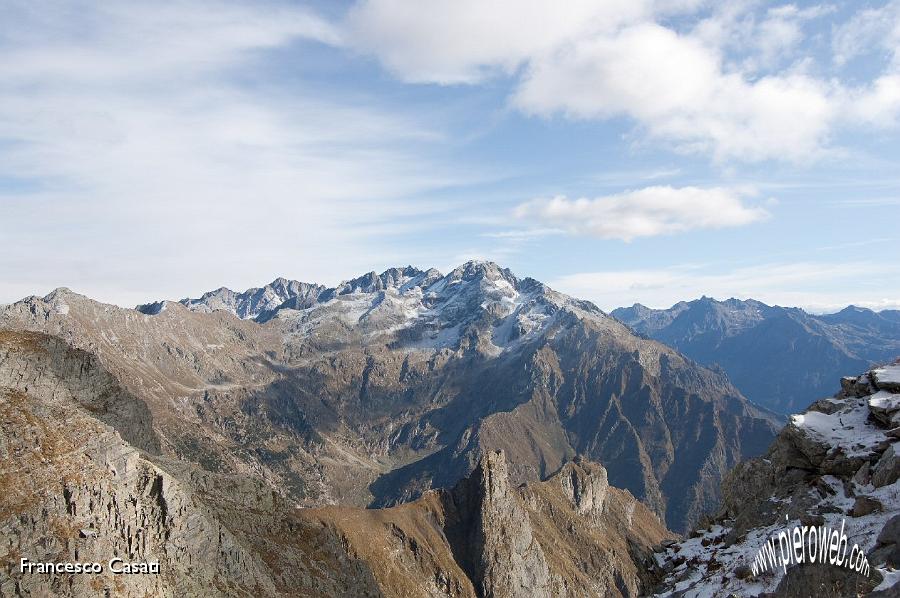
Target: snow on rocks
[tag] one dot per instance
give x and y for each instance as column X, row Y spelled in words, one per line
column 887, row 377
column 478, row 306
column 885, row 407
column 847, row 430
column 835, row 465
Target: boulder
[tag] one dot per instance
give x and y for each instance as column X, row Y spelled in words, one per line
column 887, row 470
column 887, row 549
column 863, row 475
column 865, row 505
column 885, row 409
column 887, row 378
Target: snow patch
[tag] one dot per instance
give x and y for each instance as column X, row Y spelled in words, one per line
column 848, row 428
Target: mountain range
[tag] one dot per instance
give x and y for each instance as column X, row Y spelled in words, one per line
column 75, row 488
column 409, row 433
column 390, row 384
column 782, row 358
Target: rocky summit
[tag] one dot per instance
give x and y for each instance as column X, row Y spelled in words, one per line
column 507, row 440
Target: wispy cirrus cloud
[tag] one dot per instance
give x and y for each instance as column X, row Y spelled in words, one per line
column 647, row 212
column 176, row 147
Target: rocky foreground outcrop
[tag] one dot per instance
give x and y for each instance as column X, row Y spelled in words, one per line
column 73, row 488
column 836, row 465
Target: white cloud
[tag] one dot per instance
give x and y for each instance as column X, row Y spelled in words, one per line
column 871, row 30
column 811, row 285
column 873, row 33
column 731, row 84
column 650, row 211
column 878, row 104
column 778, row 36
column 465, row 41
column 675, row 87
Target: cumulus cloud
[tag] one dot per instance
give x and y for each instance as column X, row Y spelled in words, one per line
column 728, row 82
column 878, row 104
column 675, row 86
column 646, row 212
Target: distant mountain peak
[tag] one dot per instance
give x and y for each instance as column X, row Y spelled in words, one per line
column 253, row 303
column 479, row 305
column 372, row 282
column 154, row 308
column 59, row 291
column 854, row 309
column 800, row 353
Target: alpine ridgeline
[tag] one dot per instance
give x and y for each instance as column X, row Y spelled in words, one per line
column 780, row 358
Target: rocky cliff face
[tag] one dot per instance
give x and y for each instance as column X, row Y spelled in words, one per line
column 780, row 358
column 74, row 490
column 837, row 465
column 504, row 556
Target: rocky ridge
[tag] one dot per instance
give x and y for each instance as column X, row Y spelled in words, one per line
column 837, row 462
column 73, row 488
column 255, row 303
column 571, row 535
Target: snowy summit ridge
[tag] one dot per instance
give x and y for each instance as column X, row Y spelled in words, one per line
column 425, row 308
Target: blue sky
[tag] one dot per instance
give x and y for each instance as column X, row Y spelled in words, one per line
column 622, row 151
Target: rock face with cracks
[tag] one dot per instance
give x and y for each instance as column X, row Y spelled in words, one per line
column 74, row 490
column 486, row 537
